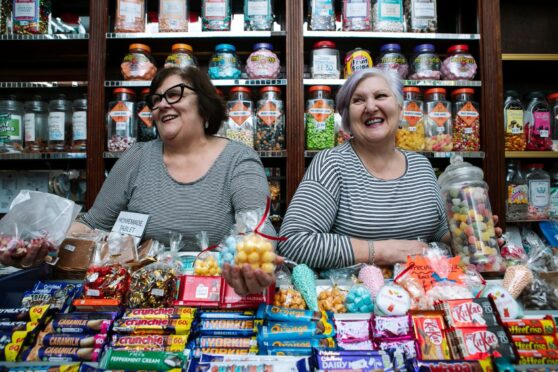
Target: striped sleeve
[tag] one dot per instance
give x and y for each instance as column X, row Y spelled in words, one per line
column 310, row 218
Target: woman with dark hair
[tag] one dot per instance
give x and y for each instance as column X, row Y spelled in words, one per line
column 188, row 180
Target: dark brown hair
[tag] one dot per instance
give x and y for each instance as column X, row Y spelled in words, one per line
column 210, row 105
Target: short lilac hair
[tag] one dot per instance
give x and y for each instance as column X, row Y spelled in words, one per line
column 346, row 92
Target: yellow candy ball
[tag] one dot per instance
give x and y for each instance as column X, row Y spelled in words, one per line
column 241, row 257
column 254, row 258
column 268, row 268
column 268, row 257
column 240, row 246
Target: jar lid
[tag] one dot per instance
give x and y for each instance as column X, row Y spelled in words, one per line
column 144, row 91
column 270, row 89
column 411, row 89
column 225, row 48
column 435, row 90
column 324, row 44
column 463, row 91
column 459, row 171
column 182, row 46
column 458, row 48
column 241, row 89
column 390, row 48
column 536, row 94
column 535, row 166
column 124, row 90
column 140, row 46
column 512, row 93
column 262, row 46
column 552, row 96
column 219, row 92
column 10, row 103
column 319, row 87
column 424, row 48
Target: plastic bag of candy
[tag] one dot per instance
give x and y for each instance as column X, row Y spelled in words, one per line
column 512, row 251
column 228, row 247
column 359, row 299
column 207, row 261
column 332, row 294
column 304, row 280
column 285, row 294
column 36, row 220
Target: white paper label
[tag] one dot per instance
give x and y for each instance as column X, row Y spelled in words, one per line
column 26, row 9
column 79, row 125
column 130, row 223
column 325, row 64
column 130, row 10
column 468, row 130
column 172, row 8
column 29, row 123
column 390, row 10
column 553, row 210
column 93, row 292
column 70, row 247
column 121, row 126
column 543, row 133
column 412, row 129
column 424, row 10
column 158, row 292
column 56, row 121
column 539, row 193
column 202, row 291
column 217, row 10
column 440, row 130
column 257, row 8
column 356, row 10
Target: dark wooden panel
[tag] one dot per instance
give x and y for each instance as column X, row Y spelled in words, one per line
column 96, row 95
column 492, row 130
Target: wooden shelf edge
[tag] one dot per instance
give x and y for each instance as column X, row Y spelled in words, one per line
column 531, row 154
column 529, row 57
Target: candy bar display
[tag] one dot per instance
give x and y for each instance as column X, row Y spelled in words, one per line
column 466, row 120
column 411, row 132
column 121, row 120
column 216, row 15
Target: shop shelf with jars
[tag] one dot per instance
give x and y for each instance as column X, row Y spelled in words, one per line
column 390, row 35
column 41, row 84
column 407, row 83
column 262, row 154
column 428, row 154
column 217, row 83
column 43, row 156
column 197, row 35
column 18, row 37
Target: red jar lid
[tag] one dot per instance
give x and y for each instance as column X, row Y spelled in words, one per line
column 458, row 48
column 144, row 91
column 124, row 90
column 319, row 87
column 411, row 89
column 241, row 89
column 552, row 96
column 463, row 91
column 435, row 90
column 324, row 44
column 270, row 89
column 535, row 165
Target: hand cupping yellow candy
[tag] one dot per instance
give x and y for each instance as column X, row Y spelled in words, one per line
column 256, row 251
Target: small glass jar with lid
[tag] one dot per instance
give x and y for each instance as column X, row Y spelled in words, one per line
column 438, row 120
column 36, row 125
column 138, row 64
column 425, row 64
column 459, row 64
column 216, row 15
column 224, row 63
column 270, row 120
column 258, row 15
column 391, row 59
column 538, row 183
column 79, row 124
column 469, row 215
column 59, row 124
column 121, row 120
column 553, row 102
column 11, row 124
column 320, row 118
column 513, row 121
column 182, row 55
column 240, row 112
column 537, row 123
column 321, row 15
column 466, row 120
column 410, row 134
column 325, row 61
column 356, row 15
column 262, row 63
column 147, row 130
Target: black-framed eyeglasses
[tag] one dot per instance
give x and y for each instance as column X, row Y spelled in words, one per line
column 171, row 95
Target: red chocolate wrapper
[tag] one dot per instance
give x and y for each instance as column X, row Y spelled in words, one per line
column 430, row 334
column 538, row 357
column 545, row 326
column 470, row 313
column 481, row 343
column 535, row 342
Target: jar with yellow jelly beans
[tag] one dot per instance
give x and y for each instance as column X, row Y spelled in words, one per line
column 410, row 135
column 438, row 127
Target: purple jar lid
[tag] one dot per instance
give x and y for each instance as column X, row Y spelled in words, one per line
column 424, row 48
column 263, row 46
column 390, row 48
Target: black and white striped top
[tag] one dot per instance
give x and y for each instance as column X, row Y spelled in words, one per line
column 139, row 182
column 338, row 199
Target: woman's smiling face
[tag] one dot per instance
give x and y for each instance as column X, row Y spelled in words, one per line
column 374, row 112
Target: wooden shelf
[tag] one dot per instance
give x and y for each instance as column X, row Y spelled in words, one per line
column 217, row 83
column 409, row 83
column 43, row 156
column 196, row 34
column 390, row 35
column 529, row 57
column 531, row 154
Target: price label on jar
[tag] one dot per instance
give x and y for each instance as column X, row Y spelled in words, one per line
column 325, row 64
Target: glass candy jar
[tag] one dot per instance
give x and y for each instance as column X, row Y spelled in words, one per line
column 36, row 125
column 459, row 64
column 224, row 63
column 410, row 134
column 319, row 118
column 240, row 110
column 325, row 61
column 426, row 63
column 121, row 120
column 182, row 55
column 391, row 59
column 270, row 120
column 438, row 121
column 537, row 123
column 262, row 63
column 466, row 121
column 138, row 64
column 513, row 120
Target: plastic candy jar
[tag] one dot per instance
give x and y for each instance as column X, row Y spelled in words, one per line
column 182, row 55
column 147, row 130
column 240, row 123
column 553, row 101
column 258, row 15
column 538, row 182
column 224, row 64
column 537, row 123
column 173, row 16
column 262, row 63
column 319, row 118
column 121, row 120
column 270, row 120
column 138, row 64
column 421, row 15
column 59, row 124
column 216, row 15
column 466, row 121
column 469, row 212
column 387, row 16
column 356, row 15
column 391, row 59
column 130, row 16
column 513, row 120
column 410, row 135
column 356, row 60
column 36, row 125
column 438, row 121
column 322, row 15
column 325, row 61
column 517, row 198
column 426, row 63
column 79, row 124
column 459, row 64
column 11, row 125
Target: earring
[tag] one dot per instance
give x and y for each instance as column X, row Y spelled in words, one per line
column 206, row 125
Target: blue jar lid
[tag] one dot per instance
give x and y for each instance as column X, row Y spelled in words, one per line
column 424, row 48
column 225, row 48
column 263, row 46
column 390, row 48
